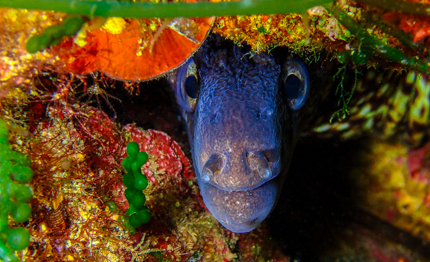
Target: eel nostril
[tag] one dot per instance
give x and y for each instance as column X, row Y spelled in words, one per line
column 271, row 155
column 212, row 167
column 258, row 162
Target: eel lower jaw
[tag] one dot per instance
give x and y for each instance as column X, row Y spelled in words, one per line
column 241, row 211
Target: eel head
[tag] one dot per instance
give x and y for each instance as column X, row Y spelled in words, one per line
column 241, row 114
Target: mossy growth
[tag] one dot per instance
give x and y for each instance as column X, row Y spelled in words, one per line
column 15, row 173
column 135, row 182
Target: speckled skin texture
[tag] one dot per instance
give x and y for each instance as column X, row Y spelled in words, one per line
column 241, row 123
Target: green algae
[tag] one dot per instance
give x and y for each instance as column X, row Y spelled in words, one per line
column 165, row 10
column 15, row 194
column 135, row 182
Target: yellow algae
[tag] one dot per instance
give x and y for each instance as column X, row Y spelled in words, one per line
column 115, row 25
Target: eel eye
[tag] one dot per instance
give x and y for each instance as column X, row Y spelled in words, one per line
column 192, row 86
column 296, row 83
column 187, row 86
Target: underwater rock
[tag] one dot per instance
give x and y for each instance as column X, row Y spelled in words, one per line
column 392, row 182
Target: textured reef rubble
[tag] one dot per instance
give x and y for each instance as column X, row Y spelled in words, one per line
column 79, row 203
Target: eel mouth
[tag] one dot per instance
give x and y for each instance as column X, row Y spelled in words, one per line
column 241, row 211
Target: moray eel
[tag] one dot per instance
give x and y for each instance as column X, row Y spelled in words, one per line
column 241, row 114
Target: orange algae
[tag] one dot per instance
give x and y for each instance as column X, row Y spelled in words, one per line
column 123, row 49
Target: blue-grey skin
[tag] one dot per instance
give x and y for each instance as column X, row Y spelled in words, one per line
column 241, row 131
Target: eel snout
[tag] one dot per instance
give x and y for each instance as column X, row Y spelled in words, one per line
column 239, row 171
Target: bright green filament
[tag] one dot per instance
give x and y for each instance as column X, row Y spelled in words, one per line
column 165, row 10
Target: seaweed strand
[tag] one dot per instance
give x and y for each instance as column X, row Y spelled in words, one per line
column 165, row 10
column 377, row 45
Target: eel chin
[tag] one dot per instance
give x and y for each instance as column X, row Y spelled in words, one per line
column 241, row 211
